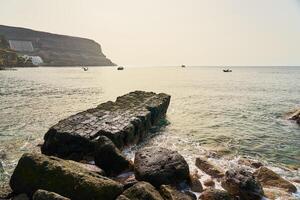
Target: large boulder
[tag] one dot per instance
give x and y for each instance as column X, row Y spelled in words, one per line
column 207, row 167
column 240, row 182
column 126, row 121
column 139, row 191
column 109, row 157
column 215, row 194
column 67, row 178
column 269, row 178
column 160, row 166
column 170, row 193
column 46, row 195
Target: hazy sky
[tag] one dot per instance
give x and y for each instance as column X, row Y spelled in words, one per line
column 172, row 32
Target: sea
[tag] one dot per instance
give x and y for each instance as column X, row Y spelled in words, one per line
column 227, row 116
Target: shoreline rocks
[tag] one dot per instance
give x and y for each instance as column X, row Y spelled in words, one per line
column 240, row 182
column 160, row 166
column 269, row 178
column 206, row 166
column 46, row 195
column 295, row 116
column 125, row 122
column 67, row 178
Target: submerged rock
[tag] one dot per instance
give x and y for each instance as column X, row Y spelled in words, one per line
column 125, row 121
column 170, row 193
column 242, row 183
column 141, row 190
column 160, row 166
column 268, row 177
column 209, row 168
column 214, row 194
column 109, row 157
column 46, row 195
column 67, row 178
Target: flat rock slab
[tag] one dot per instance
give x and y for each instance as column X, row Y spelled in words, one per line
column 67, row 178
column 125, row 121
column 160, row 166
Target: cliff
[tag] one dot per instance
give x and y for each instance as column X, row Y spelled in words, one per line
column 54, row 49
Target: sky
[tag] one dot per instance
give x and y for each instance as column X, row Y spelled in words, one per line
column 171, row 32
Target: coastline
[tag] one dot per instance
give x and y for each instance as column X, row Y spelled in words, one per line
column 216, row 160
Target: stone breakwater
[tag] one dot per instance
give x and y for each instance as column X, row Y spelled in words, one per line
column 63, row 170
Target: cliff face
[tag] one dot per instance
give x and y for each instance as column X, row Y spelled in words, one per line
column 54, row 49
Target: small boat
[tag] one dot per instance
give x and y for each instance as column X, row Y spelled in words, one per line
column 183, row 66
column 85, row 69
column 120, row 68
column 227, row 70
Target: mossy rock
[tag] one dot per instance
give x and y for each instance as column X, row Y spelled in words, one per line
column 67, row 178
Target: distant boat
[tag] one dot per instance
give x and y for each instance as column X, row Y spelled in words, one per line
column 120, row 68
column 227, row 70
column 183, row 66
column 85, row 69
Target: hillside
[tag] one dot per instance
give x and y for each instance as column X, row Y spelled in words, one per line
column 54, row 49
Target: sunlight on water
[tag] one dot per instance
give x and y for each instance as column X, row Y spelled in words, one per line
column 238, row 113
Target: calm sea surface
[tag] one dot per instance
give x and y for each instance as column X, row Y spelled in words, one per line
column 235, row 114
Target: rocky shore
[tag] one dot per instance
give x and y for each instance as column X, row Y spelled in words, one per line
column 82, row 158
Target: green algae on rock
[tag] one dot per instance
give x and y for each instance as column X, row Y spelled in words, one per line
column 67, row 178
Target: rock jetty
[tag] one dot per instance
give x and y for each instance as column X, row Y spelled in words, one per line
column 125, row 122
column 157, row 173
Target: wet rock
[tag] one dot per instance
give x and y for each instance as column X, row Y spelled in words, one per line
column 125, row 121
column 122, row 197
column 195, row 183
column 268, row 177
column 209, row 183
column 242, row 183
column 142, row 190
column 46, row 195
column 67, row 178
column 214, row 194
column 160, row 166
column 209, row 168
column 109, row 157
column 20, row 197
column 250, row 163
column 295, row 116
column 170, row 193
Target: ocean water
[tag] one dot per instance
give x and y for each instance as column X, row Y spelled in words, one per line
column 236, row 114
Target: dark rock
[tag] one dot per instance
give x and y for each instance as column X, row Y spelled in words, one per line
column 242, row 183
column 67, row 178
column 109, row 157
column 191, row 194
column 127, row 179
column 268, row 177
column 92, row 168
column 20, row 197
column 142, row 190
column 209, row 183
column 125, row 121
column 46, row 195
column 170, row 193
column 209, row 168
column 160, row 166
column 195, row 183
column 214, row 194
